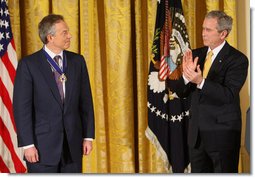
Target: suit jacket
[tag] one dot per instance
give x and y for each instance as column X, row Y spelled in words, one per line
column 215, row 113
column 40, row 116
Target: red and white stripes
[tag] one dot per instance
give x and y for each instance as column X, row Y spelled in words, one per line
column 11, row 157
column 164, row 69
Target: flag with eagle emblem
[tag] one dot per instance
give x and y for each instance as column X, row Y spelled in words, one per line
column 168, row 114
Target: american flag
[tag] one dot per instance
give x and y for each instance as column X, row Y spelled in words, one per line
column 10, row 155
column 164, row 69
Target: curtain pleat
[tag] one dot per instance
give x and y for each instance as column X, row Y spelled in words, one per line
column 189, row 10
column 230, row 9
column 212, row 5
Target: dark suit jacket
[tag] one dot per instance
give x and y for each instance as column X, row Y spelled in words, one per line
column 40, row 116
column 215, row 109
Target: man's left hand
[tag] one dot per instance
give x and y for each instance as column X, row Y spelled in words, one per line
column 193, row 76
column 87, row 147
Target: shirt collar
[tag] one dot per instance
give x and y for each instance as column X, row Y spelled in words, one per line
column 217, row 49
column 51, row 54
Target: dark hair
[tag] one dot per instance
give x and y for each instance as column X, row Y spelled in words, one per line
column 47, row 26
column 224, row 21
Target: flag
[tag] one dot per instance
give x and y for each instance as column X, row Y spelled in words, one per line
column 10, row 155
column 168, row 114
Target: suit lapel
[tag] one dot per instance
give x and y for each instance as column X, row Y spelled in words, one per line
column 70, row 74
column 218, row 61
column 45, row 69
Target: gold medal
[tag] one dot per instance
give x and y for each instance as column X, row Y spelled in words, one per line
column 62, row 78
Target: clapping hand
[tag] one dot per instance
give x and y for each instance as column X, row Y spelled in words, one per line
column 191, row 70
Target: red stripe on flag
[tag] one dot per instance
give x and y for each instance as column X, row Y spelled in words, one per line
column 3, row 167
column 164, row 69
column 11, row 70
column 19, row 167
column 13, row 44
column 7, row 102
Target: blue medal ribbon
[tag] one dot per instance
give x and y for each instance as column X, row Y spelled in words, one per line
column 54, row 65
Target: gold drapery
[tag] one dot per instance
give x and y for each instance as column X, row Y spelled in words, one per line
column 212, row 5
column 115, row 36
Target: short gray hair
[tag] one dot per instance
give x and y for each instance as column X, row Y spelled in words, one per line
column 47, row 26
column 224, row 21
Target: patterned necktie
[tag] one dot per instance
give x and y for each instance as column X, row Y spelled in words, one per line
column 208, row 63
column 57, row 75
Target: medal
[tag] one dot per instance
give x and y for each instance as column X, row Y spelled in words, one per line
column 62, row 78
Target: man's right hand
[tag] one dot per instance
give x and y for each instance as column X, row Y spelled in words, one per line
column 31, row 155
column 188, row 64
column 188, row 61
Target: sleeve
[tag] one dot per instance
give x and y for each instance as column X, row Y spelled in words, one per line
column 86, row 103
column 22, row 105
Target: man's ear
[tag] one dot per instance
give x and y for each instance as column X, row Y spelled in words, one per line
column 49, row 37
column 224, row 34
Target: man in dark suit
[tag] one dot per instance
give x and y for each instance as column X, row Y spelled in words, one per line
column 214, row 83
column 52, row 103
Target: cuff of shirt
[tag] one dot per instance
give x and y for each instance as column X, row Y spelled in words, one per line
column 89, row 139
column 28, row 146
column 200, row 86
column 186, row 81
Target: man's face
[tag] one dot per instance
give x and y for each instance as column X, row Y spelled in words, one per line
column 210, row 34
column 62, row 37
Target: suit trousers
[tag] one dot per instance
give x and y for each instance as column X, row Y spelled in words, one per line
column 217, row 161
column 66, row 165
